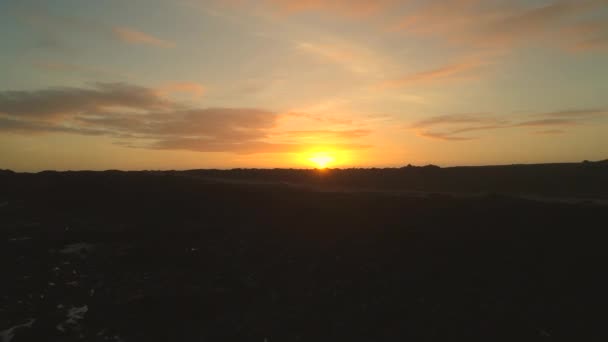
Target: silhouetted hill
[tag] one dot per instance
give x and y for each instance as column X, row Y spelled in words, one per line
column 587, row 180
column 582, row 180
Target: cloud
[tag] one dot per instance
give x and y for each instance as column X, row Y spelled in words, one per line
column 343, row 8
column 594, row 43
column 132, row 36
column 192, row 88
column 546, row 122
column 354, row 59
column 577, row 113
column 454, row 119
column 142, row 117
column 502, row 24
column 319, row 118
column 320, row 134
column 550, row 131
column 348, row 9
column 229, row 123
column 11, row 125
column 66, row 101
column 442, row 136
column 204, row 145
column 451, row 127
column 456, row 71
column 209, row 145
column 455, row 124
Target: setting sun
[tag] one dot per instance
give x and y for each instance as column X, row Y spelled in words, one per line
column 322, row 160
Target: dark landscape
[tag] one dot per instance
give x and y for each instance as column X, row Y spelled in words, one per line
column 505, row 253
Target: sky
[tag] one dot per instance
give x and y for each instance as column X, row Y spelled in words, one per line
column 184, row 84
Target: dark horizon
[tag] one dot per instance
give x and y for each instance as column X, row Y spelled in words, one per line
column 325, row 168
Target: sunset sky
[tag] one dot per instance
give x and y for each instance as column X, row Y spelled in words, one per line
column 181, row 84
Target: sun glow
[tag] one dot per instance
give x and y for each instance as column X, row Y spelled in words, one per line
column 322, row 159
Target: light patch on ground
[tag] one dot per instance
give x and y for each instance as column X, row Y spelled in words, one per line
column 24, row 238
column 74, row 315
column 77, row 248
column 8, row 334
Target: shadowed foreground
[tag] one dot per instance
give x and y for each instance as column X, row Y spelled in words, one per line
column 181, row 256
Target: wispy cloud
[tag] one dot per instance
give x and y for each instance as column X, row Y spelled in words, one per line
column 323, row 134
column 343, row 8
column 451, row 127
column 468, row 69
column 442, row 136
column 132, row 36
column 456, row 119
column 352, row 57
column 546, row 122
column 502, row 24
column 242, row 147
column 577, row 113
column 192, row 88
column 318, row 118
column 69, row 101
column 550, row 131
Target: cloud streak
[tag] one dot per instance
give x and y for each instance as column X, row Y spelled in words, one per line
column 550, row 131
column 501, row 24
column 451, row 127
column 324, row 134
column 132, row 36
column 353, row 58
column 577, row 113
column 192, row 88
column 456, row 71
column 343, row 8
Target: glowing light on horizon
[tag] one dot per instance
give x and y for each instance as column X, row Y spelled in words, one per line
column 322, row 159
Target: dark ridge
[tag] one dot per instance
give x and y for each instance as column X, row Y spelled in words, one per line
column 587, row 180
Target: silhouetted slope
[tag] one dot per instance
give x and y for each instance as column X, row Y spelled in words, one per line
column 576, row 180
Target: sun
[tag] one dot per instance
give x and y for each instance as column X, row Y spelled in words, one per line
column 322, row 159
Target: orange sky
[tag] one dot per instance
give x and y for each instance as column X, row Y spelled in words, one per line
column 284, row 83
